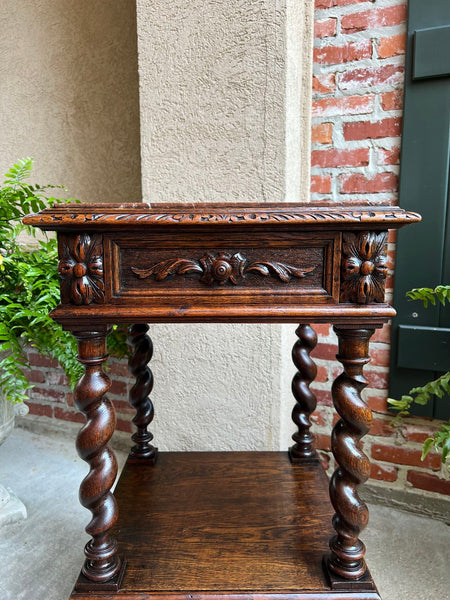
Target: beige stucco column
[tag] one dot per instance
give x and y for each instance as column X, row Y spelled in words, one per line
column 224, row 113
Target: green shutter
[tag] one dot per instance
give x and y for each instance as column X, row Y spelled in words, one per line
column 421, row 337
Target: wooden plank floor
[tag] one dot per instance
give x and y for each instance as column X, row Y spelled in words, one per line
column 208, row 524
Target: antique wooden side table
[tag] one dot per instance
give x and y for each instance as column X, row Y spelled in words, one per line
column 223, row 525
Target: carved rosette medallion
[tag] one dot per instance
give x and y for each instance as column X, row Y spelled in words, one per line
column 364, row 267
column 222, row 268
column 80, row 269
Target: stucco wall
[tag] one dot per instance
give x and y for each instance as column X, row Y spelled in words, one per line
column 219, row 81
column 69, row 94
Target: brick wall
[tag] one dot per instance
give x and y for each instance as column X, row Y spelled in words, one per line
column 357, row 110
column 50, row 398
column 356, row 128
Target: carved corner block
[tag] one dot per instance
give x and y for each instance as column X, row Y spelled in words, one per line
column 363, row 267
column 80, row 269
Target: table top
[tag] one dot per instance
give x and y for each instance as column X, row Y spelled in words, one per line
column 104, row 216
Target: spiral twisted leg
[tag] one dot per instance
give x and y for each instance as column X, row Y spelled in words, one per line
column 352, row 515
column 303, row 449
column 141, row 353
column 102, row 562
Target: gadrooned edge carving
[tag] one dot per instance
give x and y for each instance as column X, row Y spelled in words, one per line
column 221, row 268
column 80, row 269
column 84, row 215
column 363, row 267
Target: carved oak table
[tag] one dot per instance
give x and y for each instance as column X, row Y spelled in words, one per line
column 222, row 525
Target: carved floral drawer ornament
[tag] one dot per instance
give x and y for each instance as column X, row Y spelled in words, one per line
column 221, row 268
column 223, row 525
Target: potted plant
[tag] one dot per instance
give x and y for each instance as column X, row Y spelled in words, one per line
column 438, row 387
column 29, row 290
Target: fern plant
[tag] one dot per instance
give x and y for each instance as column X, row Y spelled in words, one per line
column 438, row 387
column 29, row 289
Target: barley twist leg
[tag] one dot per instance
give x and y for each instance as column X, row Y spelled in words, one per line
column 352, row 515
column 102, row 561
column 303, row 449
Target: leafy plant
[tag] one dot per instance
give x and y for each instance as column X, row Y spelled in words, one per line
column 438, row 387
column 29, row 289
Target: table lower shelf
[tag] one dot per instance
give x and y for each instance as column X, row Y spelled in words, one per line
column 216, row 525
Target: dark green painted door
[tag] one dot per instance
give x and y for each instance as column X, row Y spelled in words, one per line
column 421, row 337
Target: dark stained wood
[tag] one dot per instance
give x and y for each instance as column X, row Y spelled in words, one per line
column 303, row 449
column 102, row 562
column 141, row 348
column 224, row 523
column 110, row 217
column 352, row 515
column 211, row 526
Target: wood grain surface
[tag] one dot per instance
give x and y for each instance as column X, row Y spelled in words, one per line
column 203, row 525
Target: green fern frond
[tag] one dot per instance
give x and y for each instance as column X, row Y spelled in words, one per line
column 19, row 171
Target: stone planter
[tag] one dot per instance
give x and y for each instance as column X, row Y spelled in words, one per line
column 11, row 508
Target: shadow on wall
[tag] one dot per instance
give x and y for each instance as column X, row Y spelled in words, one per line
column 70, row 95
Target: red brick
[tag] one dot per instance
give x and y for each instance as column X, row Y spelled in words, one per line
column 331, row 3
column 430, row 483
column 348, row 105
column 322, row 133
column 405, row 456
column 383, row 473
column 69, row 415
column 379, row 357
column 116, row 367
column 382, row 428
column 360, row 79
column 333, row 55
column 322, row 329
column 325, row 28
column 377, row 403
column 38, row 360
column 388, row 156
column 325, row 83
column 56, row 378
column 382, row 335
column 324, row 460
column 48, row 393
column 35, row 376
column 118, row 388
column 325, row 351
column 392, row 236
column 123, row 406
column 41, row 410
column 322, row 374
column 392, row 100
column 374, row 18
column 392, row 46
column 363, row 130
column 318, row 418
column 323, row 397
column 413, row 433
column 123, row 425
column 355, row 183
column 322, row 442
column 320, row 185
column 376, row 379
column 340, row 158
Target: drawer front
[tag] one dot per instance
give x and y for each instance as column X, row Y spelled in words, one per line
column 175, row 269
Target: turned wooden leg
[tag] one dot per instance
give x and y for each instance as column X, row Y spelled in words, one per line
column 141, row 348
column 102, row 563
column 303, row 449
column 347, row 550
